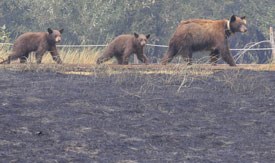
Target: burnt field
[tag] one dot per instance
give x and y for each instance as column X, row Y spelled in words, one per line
column 135, row 114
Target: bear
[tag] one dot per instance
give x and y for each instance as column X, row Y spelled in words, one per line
column 123, row 46
column 38, row 42
column 203, row 34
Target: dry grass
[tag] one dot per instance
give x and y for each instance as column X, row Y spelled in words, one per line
column 232, row 79
column 3, row 53
column 83, row 62
column 81, row 56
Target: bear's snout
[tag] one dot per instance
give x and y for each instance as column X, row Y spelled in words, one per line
column 243, row 29
column 58, row 39
column 143, row 43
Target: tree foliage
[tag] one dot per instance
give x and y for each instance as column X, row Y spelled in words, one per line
column 98, row 21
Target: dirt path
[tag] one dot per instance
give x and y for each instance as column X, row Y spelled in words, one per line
column 48, row 116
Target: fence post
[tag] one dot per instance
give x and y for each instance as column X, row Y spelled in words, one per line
column 135, row 59
column 272, row 44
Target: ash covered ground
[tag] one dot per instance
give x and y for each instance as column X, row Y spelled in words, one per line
column 46, row 116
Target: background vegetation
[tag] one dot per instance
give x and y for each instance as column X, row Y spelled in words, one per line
column 99, row 21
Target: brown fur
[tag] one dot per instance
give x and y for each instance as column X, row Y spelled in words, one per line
column 123, row 46
column 38, row 42
column 203, row 34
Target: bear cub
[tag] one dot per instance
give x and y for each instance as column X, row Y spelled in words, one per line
column 37, row 42
column 123, row 46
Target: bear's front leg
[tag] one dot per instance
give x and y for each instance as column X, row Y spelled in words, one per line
column 143, row 58
column 226, row 56
column 125, row 60
column 55, row 55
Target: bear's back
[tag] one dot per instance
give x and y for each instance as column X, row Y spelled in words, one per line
column 199, row 34
column 120, row 42
column 123, row 38
column 202, row 25
column 29, row 41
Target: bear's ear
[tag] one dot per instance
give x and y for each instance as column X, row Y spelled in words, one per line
column 233, row 18
column 136, row 35
column 61, row 30
column 244, row 20
column 148, row 36
column 50, row 30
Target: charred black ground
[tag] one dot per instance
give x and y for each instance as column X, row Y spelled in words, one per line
column 131, row 117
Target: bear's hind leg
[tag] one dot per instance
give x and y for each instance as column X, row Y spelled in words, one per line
column 119, row 59
column 11, row 57
column 171, row 53
column 126, row 55
column 103, row 59
column 39, row 55
column 187, row 55
column 214, row 56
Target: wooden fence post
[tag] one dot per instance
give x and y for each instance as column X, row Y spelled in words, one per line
column 272, row 44
column 135, row 59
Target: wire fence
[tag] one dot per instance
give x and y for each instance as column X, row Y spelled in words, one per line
column 161, row 46
column 240, row 52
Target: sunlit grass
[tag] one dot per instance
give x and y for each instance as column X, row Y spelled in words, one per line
column 86, row 58
column 83, row 56
column 4, row 52
column 76, row 56
column 78, row 73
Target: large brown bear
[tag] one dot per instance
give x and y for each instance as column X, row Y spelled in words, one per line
column 38, row 42
column 203, row 34
column 123, row 46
